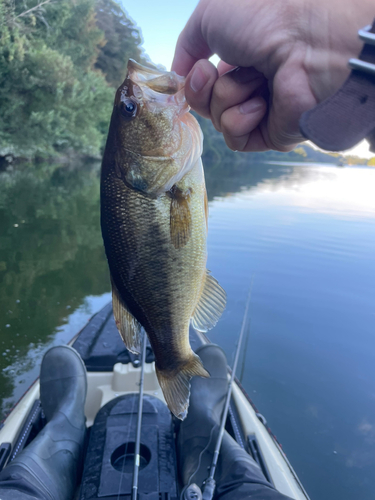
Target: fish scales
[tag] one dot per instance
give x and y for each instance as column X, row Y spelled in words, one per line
column 153, row 217
column 147, row 267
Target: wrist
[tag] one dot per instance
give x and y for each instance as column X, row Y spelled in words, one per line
column 334, row 40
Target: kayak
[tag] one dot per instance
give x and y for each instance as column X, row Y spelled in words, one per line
column 113, row 375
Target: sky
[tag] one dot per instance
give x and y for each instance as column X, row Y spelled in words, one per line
column 160, row 24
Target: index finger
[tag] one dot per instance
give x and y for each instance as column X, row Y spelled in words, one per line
column 191, row 45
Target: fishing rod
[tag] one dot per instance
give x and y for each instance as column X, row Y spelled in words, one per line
column 210, row 483
column 139, row 422
column 245, row 352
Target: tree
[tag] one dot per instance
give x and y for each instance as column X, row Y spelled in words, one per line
column 122, row 41
column 73, row 32
column 52, row 99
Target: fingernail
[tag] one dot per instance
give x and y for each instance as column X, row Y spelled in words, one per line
column 198, row 79
column 252, row 106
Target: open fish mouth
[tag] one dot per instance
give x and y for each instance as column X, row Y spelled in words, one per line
column 162, row 82
column 154, row 127
column 153, row 88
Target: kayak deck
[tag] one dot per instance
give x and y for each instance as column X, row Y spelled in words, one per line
column 113, row 372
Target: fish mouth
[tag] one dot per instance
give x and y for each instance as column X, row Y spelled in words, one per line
column 158, row 100
column 147, row 71
column 161, row 82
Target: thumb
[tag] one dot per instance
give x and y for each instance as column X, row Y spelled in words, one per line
column 191, row 45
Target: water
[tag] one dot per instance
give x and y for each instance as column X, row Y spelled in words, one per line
column 53, row 273
column 305, row 237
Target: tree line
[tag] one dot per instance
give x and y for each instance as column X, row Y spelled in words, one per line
column 59, row 64
column 216, row 152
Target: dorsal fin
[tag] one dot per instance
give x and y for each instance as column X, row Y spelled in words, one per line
column 210, row 306
column 129, row 328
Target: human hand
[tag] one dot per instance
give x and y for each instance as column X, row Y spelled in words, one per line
column 278, row 59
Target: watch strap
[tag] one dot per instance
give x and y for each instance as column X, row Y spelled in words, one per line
column 347, row 117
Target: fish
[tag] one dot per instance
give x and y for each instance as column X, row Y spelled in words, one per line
column 154, row 225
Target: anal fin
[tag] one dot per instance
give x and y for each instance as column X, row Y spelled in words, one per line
column 176, row 386
column 210, row 306
column 129, row 328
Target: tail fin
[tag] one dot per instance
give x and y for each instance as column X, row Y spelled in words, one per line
column 176, row 386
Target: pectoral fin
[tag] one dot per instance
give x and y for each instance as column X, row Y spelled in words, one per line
column 129, row 328
column 176, row 386
column 180, row 217
column 210, row 306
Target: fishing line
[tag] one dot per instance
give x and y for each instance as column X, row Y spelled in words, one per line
column 126, row 449
column 201, row 454
column 126, row 444
column 139, row 422
column 210, row 483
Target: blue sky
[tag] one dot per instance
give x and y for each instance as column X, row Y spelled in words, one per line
column 162, row 21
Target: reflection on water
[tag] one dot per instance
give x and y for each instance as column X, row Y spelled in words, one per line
column 51, row 260
column 307, row 240
column 342, row 193
column 305, row 234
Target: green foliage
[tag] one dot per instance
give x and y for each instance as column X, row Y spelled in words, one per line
column 214, row 146
column 73, row 32
column 11, row 39
column 355, row 160
column 122, row 41
column 215, row 150
column 300, row 151
column 55, row 95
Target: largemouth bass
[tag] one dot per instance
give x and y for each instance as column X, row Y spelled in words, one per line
column 154, row 226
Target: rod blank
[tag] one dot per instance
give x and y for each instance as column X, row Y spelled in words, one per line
column 139, row 422
column 209, row 485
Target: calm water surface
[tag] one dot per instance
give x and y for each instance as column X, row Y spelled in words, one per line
column 304, row 236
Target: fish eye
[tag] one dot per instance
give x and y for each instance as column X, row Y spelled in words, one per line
column 128, row 108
